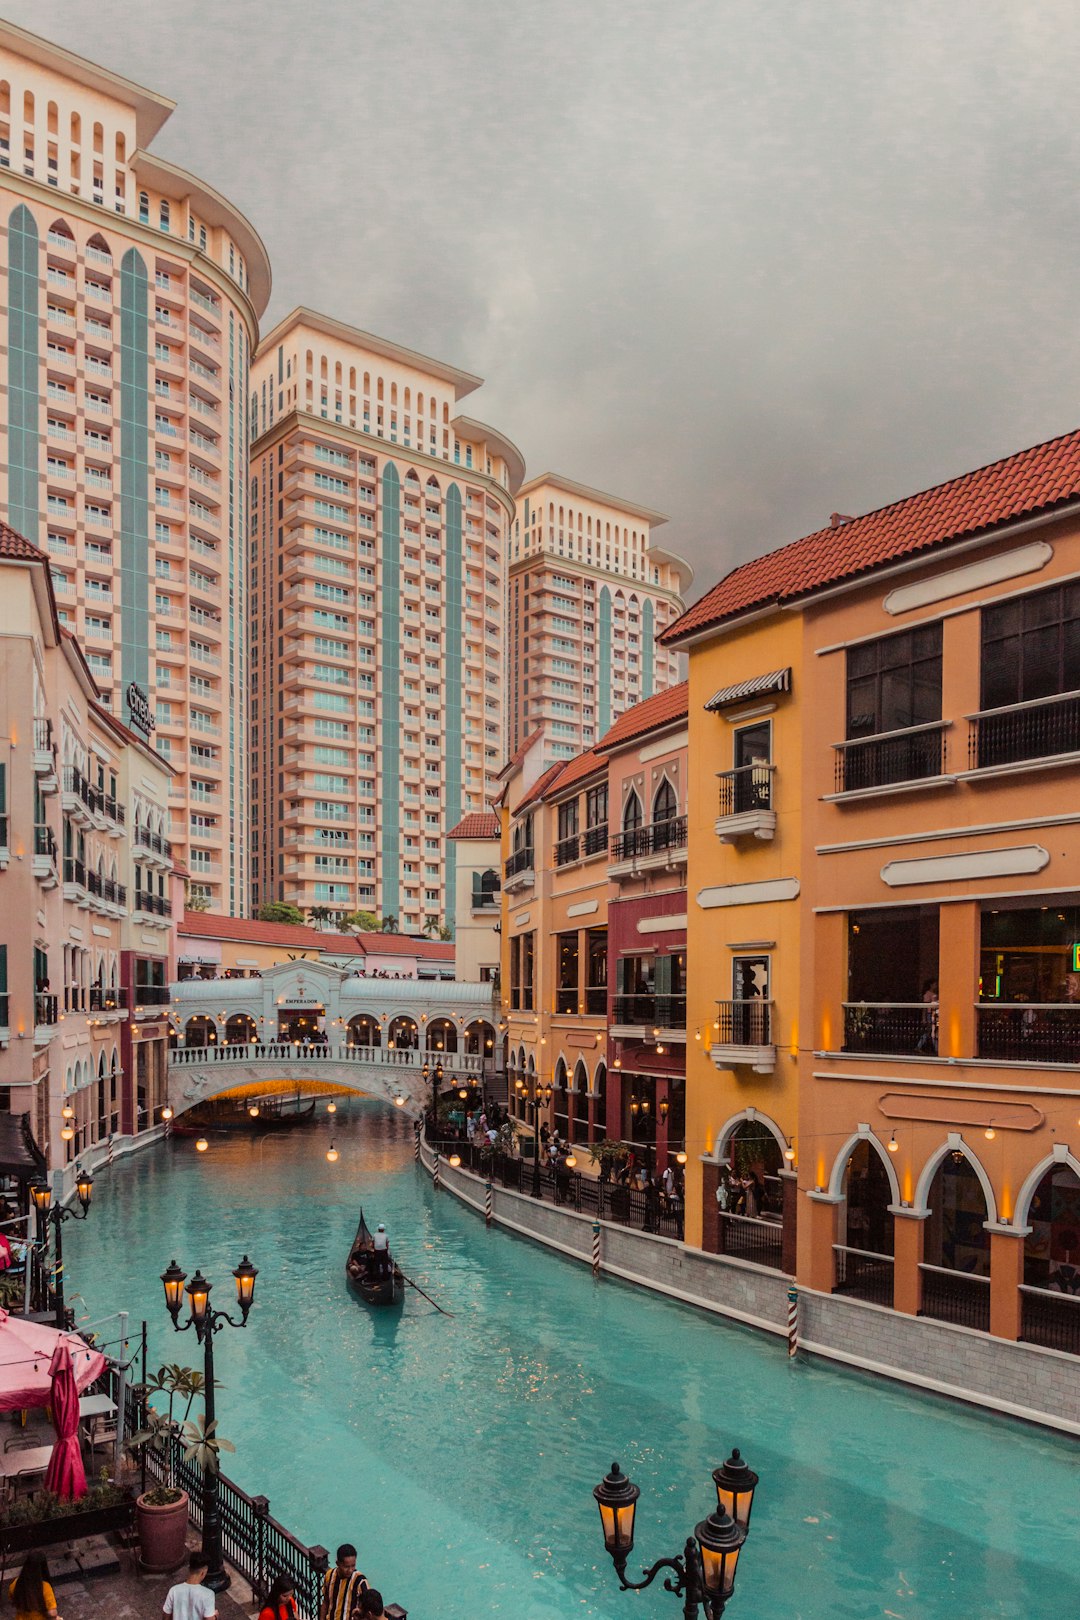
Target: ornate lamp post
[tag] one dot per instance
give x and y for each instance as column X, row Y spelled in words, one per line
column 207, row 1321
column 50, row 1214
column 704, row 1576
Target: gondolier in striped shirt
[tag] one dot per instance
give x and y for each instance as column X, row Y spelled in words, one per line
column 342, row 1586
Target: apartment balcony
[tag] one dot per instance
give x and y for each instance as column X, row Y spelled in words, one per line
column 743, row 1036
column 109, row 1001
column 45, row 1018
column 891, row 1028
column 519, row 871
column 149, row 997
column 746, row 804
column 892, row 759
column 152, row 906
column 45, row 756
column 659, row 845
column 594, row 840
column 568, row 850
column 1029, row 1032
column 106, row 895
column 664, row 1015
column 75, row 881
column 45, row 857
column 152, row 846
column 1044, row 729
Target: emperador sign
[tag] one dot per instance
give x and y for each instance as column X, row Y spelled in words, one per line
column 139, row 710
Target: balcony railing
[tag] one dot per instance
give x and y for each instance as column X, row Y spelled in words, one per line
column 44, row 841
column 108, row 998
column 566, row 999
column 155, row 905
column 910, row 755
column 898, row 1028
column 955, row 1296
column 1036, row 730
column 106, row 889
column 153, row 840
column 96, row 800
column 74, row 871
column 861, row 1274
column 1050, row 1319
column 650, row 1011
column 152, row 995
column 567, row 850
column 655, row 839
column 749, row 1237
column 520, row 861
column 596, row 839
column 44, row 1010
column 743, row 1023
column 1029, row 1032
column 750, row 787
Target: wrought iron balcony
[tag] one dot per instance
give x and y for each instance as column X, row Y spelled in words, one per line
column 658, row 838
column 895, row 1028
column 1036, row 730
column 153, row 840
column 520, row 861
column 108, row 998
column 650, row 1011
column 567, row 850
column 749, row 787
column 892, row 757
column 155, row 905
column 1029, row 1031
column 596, row 839
column 44, row 1010
column 743, row 1023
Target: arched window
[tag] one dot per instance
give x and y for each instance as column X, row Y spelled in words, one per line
column 598, row 1130
column 364, row 1031
column 200, row 1031
column 865, row 1229
column 144, row 208
column 441, row 1035
column 403, row 1035
column 99, row 245
column 631, row 812
column 665, row 805
column 240, row 1030
column 1052, row 1261
column 163, row 216
column 561, row 1101
column 956, row 1242
column 60, row 227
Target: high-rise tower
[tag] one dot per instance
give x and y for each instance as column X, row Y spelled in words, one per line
column 131, row 293
column 381, row 520
column 588, row 594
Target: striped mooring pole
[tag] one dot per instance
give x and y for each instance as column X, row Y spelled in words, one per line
column 792, row 1320
column 487, row 1203
column 435, row 1174
column 109, row 1153
column 416, row 1140
column 596, row 1248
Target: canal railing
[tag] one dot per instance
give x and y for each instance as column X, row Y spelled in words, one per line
column 648, row 1211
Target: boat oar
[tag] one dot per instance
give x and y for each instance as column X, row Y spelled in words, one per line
column 428, row 1297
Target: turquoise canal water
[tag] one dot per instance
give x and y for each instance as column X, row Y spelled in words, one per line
column 459, row 1453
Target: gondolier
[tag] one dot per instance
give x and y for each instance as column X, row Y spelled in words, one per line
column 370, row 1269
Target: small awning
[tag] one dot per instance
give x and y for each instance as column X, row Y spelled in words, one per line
column 20, row 1156
column 778, row 681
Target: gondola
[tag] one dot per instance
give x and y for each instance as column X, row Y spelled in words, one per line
column 376, row 1280
column 234, row 1116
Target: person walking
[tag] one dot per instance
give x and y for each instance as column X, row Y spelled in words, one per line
column 190, row 1599
column 31, row 1591
column 343, row 1586
column 280, row 1601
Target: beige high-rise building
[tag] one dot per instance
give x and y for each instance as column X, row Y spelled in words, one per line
column 130, row 296
column 381, row 523
column 589, row 593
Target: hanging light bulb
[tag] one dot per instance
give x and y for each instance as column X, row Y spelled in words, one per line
column 892, row 1144
column 67, row 1133
column 789, row 1154
column 989, row 1133
column 67, row 1112
column 201, row 1145
column 399, row 1101
column 254, row 1110
column 332, row 1154
column 331, row 1108
column 166, row 1112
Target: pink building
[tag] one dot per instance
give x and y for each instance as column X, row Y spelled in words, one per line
column 132, row 293
column 589, row 592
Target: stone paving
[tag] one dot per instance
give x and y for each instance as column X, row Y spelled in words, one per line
column 126, row 1595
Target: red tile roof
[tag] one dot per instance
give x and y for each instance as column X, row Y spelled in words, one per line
column 209, row 925
column 662, row 710
column 16, row 547
column 478, row 824
column 586, row 764
column 516, row 759
column 540, row 786
column 1018, row 486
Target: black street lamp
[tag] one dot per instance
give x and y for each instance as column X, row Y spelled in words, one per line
column 207, row 1321
column 704, row 1576
column 55, row 1215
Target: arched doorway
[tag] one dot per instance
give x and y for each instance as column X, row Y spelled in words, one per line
column 561, row 1121
column 864, row 1236
column 240, row 1030
column 364, row 1031
column 579, row 1104
column 598, row 1128
column 441, row 1035
column 751, row 1225
column 1050, row 1308
column 480, row 1040
column 403, row 1035
column 200, row 1031
column 956, row 1253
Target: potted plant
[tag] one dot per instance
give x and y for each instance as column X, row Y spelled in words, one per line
column 161, row 1513
column 44, row 1519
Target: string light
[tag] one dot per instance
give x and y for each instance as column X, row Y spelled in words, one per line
column 331, row 1108
column 201, row 1145
column 332, row 1154
column 892, row 1144
column 990, row 1133
column 166, row 1113
column 67, row 1134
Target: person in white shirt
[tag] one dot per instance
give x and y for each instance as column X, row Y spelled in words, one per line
column 191, row 1600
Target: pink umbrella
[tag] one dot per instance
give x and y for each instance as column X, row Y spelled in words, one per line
column 66, row 1475
column 26, row 1352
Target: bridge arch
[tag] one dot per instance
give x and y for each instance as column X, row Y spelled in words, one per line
column 240, row 1030
column 364, row 1030
column 200, row 1030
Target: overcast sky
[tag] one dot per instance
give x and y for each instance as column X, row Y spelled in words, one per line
column 746, row 261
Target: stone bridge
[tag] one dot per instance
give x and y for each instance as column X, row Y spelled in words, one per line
column 314, row 1027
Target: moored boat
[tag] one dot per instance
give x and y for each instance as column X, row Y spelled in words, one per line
column 372, row 1272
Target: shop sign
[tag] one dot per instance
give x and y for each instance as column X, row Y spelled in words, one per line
column 139, row 710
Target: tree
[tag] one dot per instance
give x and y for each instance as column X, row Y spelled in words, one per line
column 280, row 911
column 389, row 925
column 196, row 900
column 445, row 931
column 431, row 926
column 365, row 922
column 321, row 914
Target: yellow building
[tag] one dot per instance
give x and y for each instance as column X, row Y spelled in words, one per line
column 743, row 919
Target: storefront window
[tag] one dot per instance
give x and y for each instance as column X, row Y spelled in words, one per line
column 566, row 996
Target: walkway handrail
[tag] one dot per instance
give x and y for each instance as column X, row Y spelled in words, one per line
column 864, row 1254
column 342, row 1052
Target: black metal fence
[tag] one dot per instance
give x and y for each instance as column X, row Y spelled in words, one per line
column 749, row 1237
column 743, row 1023
column 648, row 1211
column 1036, row 730
column 956, row 1296
column 861, row 1274
column 1030, row 1032
column 655, row 1012
column 749, row 787
column 1050, row 1319
column 898, row 1028
column 654, row 839
column 905, row 756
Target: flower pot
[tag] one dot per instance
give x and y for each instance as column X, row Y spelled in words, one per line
column 162, row 1534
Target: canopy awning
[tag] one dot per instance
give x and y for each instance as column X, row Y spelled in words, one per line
column 26, row 1352
column 778, row 680
column 20, row 1155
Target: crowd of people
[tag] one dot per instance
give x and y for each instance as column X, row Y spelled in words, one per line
column 739, row 1194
